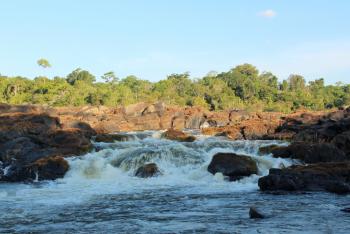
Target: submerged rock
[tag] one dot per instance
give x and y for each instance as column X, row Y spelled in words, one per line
column 111, row 137
column 176, row 135
column 255, row 214
column 232, row 165
column 331, row 177
column 147, row 170
column 347, row 210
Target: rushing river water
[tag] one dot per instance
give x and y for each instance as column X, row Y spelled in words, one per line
column 100, row 194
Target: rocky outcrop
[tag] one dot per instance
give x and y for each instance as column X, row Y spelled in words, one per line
column 46, row 168
column 28, row 137
column 249, row 127
column 147, row 170
column 176, row 135
column 311, row 152
column 232, row 165
column 331, row 177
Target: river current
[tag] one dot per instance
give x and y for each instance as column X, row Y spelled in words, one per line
column 100, row 194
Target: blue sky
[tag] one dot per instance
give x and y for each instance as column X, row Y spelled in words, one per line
column 151, row 39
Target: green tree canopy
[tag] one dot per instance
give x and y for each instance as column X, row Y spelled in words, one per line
column 43, row 63
column 80, row 75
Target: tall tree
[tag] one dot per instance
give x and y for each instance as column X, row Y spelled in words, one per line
column 110, row 77
column 80, row 75
column 43, row 63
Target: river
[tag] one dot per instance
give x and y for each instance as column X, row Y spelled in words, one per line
column 100, row 194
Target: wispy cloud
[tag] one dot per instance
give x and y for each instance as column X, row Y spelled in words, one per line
column 267, row 13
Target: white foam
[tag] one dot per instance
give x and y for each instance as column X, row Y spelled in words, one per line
column 111, row 170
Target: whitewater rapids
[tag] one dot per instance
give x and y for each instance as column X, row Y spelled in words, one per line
column 100, row 191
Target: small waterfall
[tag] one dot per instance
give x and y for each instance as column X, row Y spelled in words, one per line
column 183, row 163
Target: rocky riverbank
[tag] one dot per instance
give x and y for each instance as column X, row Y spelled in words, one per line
column 35, row 140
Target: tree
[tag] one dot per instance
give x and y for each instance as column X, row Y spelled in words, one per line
column 110, row 77
column 44, row 63
column 296, row 82
column 80, row 75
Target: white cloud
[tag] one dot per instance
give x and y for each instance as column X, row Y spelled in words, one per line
column 268, row 13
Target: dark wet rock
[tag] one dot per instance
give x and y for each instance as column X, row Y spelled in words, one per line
column 69, row 142
column 331, row 177
column 347, row 210
column 26, row 138
column 176, row 135
column 48, row 168
column 147, row 170
column 23, row 150
column 111, row 137
column 84, row 127
column 255, row 214
column 342, row 141
column 311, row 152
column 232, row 165
column 267, row 149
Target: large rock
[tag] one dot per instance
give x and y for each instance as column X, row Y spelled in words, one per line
column 332, row 177
column 69, row 142
column 232, row 165
column 147, row 170
column 82, row 126
column 311, row 153
column 342, row 141
column 27, row 138
column 176, row 135
column 48, row 168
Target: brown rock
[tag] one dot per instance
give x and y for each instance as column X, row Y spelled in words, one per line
column 311, row 153
column 331, row 177
column 148, row 170
column 49, row 168
column 176, row 135
column 232, row 165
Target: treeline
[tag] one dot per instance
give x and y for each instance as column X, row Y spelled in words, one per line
column 242, row 87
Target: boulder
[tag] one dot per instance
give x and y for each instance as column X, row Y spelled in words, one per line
column 176, row 135
column 342, row 141
column 82, row 126
column 49, row 168
column 230, row 132
column 147, row 170
column 68, row 142
column 255, row 214
column 232, row 165
column 111, row 137
column 332, row 177
column 311, row 152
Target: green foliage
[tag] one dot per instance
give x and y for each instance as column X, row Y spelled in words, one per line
column 242, row 87
column 82, row 75
column 43, row 63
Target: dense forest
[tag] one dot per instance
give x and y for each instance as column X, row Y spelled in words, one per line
column 242, row 87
